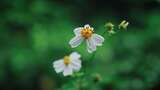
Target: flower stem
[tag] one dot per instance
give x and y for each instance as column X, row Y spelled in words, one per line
column 93, row 55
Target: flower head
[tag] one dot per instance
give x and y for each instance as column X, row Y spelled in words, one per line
column 68, row 64
column 87, row 34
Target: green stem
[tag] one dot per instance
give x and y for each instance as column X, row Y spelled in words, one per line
column 93, row 55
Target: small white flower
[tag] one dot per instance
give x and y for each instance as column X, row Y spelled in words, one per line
column 68, row 64
column 86, row 33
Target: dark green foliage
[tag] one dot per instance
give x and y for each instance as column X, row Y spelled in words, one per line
column 34, row 33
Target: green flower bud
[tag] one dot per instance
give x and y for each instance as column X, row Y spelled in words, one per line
column 111, row 32
column 109, row 26
column 123, row 25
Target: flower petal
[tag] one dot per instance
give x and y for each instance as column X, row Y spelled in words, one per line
column 75, row 41
column 89, row 50
column 77, row 31
column 76, row 64
column 91, row 46
column 75, row 55
column 98, row 39
column 87, row 26
column 67, row 70
column 58, row 66
column 57, row 62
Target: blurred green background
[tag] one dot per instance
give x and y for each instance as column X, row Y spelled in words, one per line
column 34, row 33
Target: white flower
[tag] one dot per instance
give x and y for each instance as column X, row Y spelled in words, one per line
column 87, row 34
column 68, row 64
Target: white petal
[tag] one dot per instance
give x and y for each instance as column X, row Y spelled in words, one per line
column 91, row 46
column 58, row 66
column 57, row 62
column 76, row 64
column 87, row 26
column 75, row 55
column 75, row 41
column 67, row 70
column 89, row 50
column 77, row 31
column 98, row 39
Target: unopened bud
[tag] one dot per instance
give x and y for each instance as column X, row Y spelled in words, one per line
column 124, row 24
column 109, row 26
column 111, row 32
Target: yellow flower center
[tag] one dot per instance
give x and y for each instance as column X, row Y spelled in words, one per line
column 66, row 60
column 87, row 32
